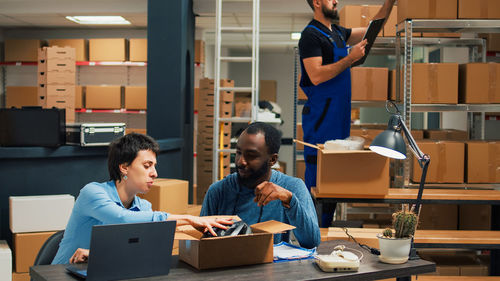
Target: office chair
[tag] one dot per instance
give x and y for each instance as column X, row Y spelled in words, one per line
column 49, row 249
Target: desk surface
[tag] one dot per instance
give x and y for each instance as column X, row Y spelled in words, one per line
column 370, row 269
column 405, row 195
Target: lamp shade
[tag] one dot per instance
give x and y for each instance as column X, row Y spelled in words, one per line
column 390, row 144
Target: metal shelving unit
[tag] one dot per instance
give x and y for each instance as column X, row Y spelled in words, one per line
column 404, row 61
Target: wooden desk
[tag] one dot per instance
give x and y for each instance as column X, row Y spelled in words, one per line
column 370, row 269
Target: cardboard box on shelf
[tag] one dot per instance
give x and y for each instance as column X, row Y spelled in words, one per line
column 206, row 83
column 427, row 9
column 107, row 49
column 483, row 162
column 474, row 217
column 79, row 97
column 103, row 97
column 57, row 78
column 206, row 96
column 168, row 195
column 390, row 24
column 447, row 162
column 268, row 90
column 21, row 49
column 351, row 16
column 479, row 83
column 300, row 136
column 53, row 212
column 300, row 166
column 196, row 98
column 26, row 247
column 5, row 261
column 56, row 52
column 438, row 217
column 204, row 254
column 300, row 93
column 446, row 134
column 60, row 96
column 492, row 41
column 199, row 51
column 56, row 64
column 138, row 49
column 441, row 34
column 80, row 46
column 135, row 130
column 435, row 83
column 478, row 9
column 369, row 83
column 16, row 276
column 356, row 172
column 417, row 134
column 243, row 105
column 19, row 96
column 136, row 97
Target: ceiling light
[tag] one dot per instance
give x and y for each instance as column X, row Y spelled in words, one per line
column 98, row 19
column 295, row 35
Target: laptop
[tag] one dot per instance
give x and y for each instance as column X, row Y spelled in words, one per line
column 132, row 250
column 371, row 34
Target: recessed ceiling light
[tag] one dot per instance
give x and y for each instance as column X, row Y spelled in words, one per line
column 98, row 19
column 295, row 35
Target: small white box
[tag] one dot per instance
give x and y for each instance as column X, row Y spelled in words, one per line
column 5, row 261
column 40, row 213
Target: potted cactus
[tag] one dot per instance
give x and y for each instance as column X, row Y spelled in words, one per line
column 395, row 243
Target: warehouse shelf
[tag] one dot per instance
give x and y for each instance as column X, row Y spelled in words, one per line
column 386, row 45
column 456, row 185
column 84, row 110
column 111, row 63
column 453, row 25
column 455, row 107
column 18, row 63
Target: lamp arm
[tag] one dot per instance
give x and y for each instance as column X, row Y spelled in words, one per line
column 411, row 141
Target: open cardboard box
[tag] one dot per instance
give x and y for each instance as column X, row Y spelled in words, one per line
column 352, row 172
column 205, row 253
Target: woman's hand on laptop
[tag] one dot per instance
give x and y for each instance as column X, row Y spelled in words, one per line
column 80, row 255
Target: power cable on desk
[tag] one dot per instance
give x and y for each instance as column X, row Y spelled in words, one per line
column 366, row 247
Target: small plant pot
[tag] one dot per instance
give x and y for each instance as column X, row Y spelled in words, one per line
column 394, row 250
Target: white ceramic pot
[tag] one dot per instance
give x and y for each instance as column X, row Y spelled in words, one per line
column 394, row 250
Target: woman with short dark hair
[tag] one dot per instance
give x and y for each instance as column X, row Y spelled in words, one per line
column 132, row 169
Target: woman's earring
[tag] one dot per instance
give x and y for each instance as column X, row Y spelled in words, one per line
column 125, row 177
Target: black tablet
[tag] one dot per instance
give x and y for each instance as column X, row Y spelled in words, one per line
column 371, row 34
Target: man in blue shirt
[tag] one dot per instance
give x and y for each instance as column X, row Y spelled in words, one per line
column 256, row 193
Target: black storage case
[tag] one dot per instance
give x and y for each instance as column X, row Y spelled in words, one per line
column 32, row 126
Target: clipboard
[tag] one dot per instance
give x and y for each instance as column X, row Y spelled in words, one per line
column 371, row 34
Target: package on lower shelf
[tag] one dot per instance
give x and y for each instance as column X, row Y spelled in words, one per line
column 483, row 162
column 19, row 96
column 103, row 97
column 435, row 83
column 479, row 83
column 369, row 83
column 39, row 213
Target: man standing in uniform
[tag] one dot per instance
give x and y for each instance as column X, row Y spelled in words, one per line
column 326, row 80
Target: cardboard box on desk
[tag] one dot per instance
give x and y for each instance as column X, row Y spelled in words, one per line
column 352, row 172
column 427, row 9
column 483, row 162
column 479, row 83
column 26, row 247
column 205, row 253
column 52, row 212
column 447, row 158
column 366, row 133
column 168, row 195
column 369, row 83
column 435, row 83
column 478, row 9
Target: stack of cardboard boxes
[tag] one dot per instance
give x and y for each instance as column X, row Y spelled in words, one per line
column 57, row 79
column 204, row 148
column 33, row 219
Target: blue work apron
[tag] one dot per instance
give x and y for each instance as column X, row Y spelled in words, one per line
column 327, row 112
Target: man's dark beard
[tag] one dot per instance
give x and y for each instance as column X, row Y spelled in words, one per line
column 331, row 14
column 251, row 180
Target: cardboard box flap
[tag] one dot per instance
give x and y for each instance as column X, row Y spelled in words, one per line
column 187, row 232
column 272, row 226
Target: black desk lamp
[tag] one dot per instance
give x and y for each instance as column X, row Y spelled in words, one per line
column 390, row 143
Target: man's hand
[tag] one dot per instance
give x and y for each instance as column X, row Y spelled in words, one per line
column 358, row 51
column 268, row 191
column 206, row 223
column 80, row 255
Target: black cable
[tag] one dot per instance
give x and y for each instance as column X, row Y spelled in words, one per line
column 366, row 247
